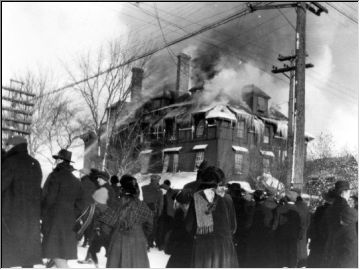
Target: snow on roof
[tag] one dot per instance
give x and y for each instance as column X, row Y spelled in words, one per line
column 239, row 112
column 148, row 151
column 239, row 148
column 200, row 147
column 221, row 111
column 172, row 149
column 267, row 153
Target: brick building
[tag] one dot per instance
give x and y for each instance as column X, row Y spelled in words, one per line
column 178, row 131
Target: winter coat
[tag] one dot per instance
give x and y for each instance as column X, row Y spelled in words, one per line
column 131, row 222
column 304, row 214
column 288, row 232
column 318, row 234
column 180, row 243
column 341, row 249
column 153, row 197
column 62, row 204
column 89, row 185
column 20, row 204
column 261, row 241
column 243, row 208
column 215, row 249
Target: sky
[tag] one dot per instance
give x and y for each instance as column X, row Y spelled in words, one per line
column 49, row 36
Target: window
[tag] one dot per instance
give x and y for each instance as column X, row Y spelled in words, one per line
column 175, row 162
column 267, row 135
column 266, row 165
column 166, row 162
column 171, row 162
column 199, row 157
column 261, row 104
column 252, row 139
column 144, row 162
column 239, row 162
column 200, row 128
column 240, row 129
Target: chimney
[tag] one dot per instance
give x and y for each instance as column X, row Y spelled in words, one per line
column 136, row 83
column 183, row 74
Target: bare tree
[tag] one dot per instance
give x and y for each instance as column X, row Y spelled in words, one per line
column 322, row 147
column 54, row 119
column 109, row 88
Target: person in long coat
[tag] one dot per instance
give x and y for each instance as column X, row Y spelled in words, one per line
column 341, row 249
column 211, row 221
column 62, row 204
column 131, row 222
column 288, row 231
column 180, row 242
column 261, row 240
column 317, row 232
column 20, row 204
column 153, row 197
column 243, row 207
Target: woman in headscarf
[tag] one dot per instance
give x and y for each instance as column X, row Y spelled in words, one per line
column 211, row 221
column 131, row 222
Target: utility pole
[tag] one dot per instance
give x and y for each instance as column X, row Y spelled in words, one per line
column 296, row 139
column 299, row 136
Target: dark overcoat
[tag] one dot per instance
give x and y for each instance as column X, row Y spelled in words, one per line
column 20, row 204
column 261, row 245
column 287, row 234
column 341, row 249
column 89, row 186
column 62, row 204
column 317, row 234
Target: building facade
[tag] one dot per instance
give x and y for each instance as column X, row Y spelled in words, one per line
column 177, row 131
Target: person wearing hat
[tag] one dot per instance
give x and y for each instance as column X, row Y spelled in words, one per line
column 261, row 242
column 153, row 197
column 21, row 178
column 103, row 197
column 341, row 249
column 287, row 231
column 211, row 221
column 243, row 208
column 131, row 222
column 194, row 185
column 179, row 246
column 62, row 203
column 317, row 231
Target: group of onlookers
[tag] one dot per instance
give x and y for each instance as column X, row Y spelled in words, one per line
column 206, row 224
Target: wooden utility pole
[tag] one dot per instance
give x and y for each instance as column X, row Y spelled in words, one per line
column 299, row 136
column 296, row 149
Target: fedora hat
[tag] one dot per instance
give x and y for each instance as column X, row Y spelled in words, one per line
column 64, row 155
column 342, row 185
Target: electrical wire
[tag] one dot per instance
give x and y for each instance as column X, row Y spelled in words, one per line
column 342, row 12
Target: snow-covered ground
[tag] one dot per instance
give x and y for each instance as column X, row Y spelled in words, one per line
column 158, row 259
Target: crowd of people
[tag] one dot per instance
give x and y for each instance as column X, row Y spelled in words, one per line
column 206, row 224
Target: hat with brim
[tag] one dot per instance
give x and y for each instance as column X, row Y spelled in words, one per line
column 155, row 177
column 341, row 186
column 64, row 155
column 291, row 195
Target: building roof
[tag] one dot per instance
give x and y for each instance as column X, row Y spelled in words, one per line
column 222, row 112
column 252, row 89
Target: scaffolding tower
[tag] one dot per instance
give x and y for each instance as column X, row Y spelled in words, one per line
column 16, row 110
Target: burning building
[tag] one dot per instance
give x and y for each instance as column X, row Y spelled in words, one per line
column 177, row 129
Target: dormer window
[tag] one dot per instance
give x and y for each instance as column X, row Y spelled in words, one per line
column 261, row 104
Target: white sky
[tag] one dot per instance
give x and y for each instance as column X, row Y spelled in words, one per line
column 47, row 35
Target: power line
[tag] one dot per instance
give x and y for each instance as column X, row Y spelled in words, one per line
column 342, row 12
column 151, row 52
